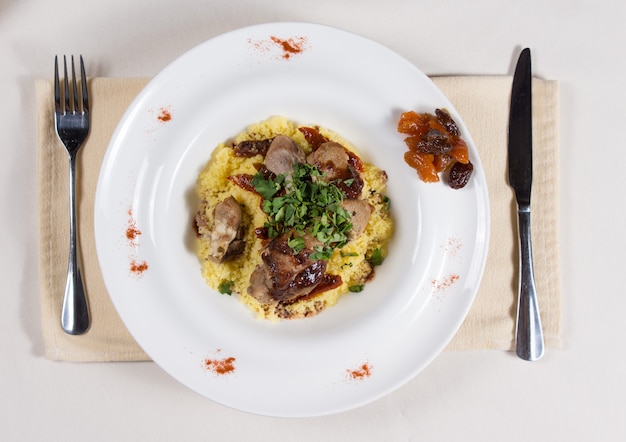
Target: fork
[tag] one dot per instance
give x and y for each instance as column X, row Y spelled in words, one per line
column 71, row 118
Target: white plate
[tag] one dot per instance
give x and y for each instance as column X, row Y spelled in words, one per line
column 394, row 328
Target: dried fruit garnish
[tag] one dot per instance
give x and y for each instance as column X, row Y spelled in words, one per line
column 435, row 146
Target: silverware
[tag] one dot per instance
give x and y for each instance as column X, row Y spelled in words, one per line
column 528, row 332
column 71, row 118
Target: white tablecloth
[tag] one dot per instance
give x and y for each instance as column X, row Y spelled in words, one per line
column 574, row 393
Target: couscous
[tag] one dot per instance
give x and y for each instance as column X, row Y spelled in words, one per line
column 254, row 239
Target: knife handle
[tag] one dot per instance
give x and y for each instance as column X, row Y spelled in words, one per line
column 528, row 332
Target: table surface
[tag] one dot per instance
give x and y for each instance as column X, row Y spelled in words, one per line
column 574, row 393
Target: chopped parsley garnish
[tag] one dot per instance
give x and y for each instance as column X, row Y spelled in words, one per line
column 226, row 287
column 305, row 205
column 387, row 202
column 376, row 257
column 267, row 188
column 356, row 288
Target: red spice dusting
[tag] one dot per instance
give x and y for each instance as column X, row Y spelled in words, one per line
column 452, row 246
column 138, row 267
column 132, row 232
column 364, row 371
column 165, row 115
column 220, row 366
column 290, row 46
column 445, row 283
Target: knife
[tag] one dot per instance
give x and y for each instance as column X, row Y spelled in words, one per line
column 528, row 332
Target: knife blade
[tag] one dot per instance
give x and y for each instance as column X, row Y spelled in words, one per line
column 529, row 343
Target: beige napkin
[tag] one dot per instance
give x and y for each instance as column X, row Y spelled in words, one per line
column 483, row 104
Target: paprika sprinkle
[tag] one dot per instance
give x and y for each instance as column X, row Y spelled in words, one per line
column 290, row 46
column 364, row 371
column 165, row 115
column 138, row 267
column 220, row 366
column 132, row 232
column 445, row 283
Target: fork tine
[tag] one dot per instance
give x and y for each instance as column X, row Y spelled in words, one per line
column 75, row 107
column 83, row 81
column 57, row 87
column 66, row 87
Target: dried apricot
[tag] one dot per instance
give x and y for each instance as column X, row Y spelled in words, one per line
column 459, row 151
column 412, row 142
column 412, row 123
column 434, row 124
column 442, row 162
column 423, row 164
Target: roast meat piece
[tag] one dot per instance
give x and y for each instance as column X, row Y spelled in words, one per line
column 360, row 210
column 227, row 233
column 338, row 166
column 258, row 287
column 285, row 275
column 282, row 154
column 331, row 160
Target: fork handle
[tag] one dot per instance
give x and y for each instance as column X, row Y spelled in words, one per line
column 75, row 312
column 528, row 332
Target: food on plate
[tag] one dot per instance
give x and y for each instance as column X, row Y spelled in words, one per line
column 436, row 147
column 290, row 219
